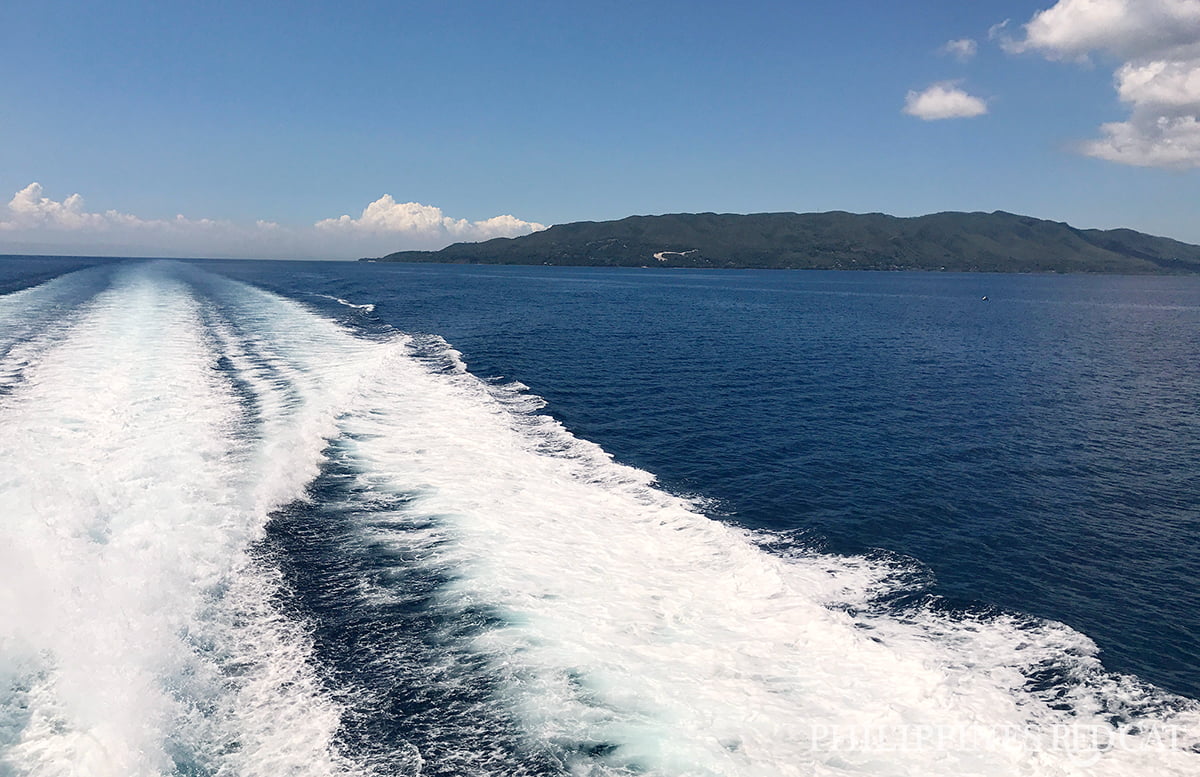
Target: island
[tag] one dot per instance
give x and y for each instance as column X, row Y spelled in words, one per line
column 952, row 241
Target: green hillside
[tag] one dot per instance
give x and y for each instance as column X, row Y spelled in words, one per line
column 975, row 242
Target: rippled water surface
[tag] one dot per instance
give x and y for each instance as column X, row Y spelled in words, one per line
column 382, row 500
column 1038, row 450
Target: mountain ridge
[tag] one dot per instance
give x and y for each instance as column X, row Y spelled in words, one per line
column 952, row 240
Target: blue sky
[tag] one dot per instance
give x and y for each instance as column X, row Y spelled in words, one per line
column 229, row 128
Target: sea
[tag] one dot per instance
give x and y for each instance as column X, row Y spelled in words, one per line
column 320, row 518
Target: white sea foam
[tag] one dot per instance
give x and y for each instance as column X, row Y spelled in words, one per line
column 366, row 306
column 638, row 634
column 137, row 635
column 633, row 634
column 33, row 318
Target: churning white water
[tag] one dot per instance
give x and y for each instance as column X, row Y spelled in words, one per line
column 137, row 635
column 149, row 435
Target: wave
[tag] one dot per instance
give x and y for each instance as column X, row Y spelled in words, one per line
column 32, row 318
column 138, row 634
column 245, row 539
column 633, row 634
column 366, row 307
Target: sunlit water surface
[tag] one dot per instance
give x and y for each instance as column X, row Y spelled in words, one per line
column 315, row 518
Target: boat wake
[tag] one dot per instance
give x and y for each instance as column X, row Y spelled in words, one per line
column 242, row 539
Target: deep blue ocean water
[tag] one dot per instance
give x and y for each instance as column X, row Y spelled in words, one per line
column 1033, row 453
column 1038, row 451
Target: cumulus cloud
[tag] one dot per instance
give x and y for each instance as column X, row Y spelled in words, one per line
column 1072, row 29
column 35, row 222
column 962, row 49
column 426, row 222
column 29, row 211
column 1159, row 43
column 943, row 100
column 1166, row 142
column 28, row 206
column 1160, row 84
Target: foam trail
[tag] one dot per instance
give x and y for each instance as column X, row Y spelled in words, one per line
column 138, row 631
column 367, row 306
column 629, row 633
column 594, row 624
column 635, row 635
column 32, row 318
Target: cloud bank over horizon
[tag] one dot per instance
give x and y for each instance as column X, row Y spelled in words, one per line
column 1159, row 44
column 35, row 223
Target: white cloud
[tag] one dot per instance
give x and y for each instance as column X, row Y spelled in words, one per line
column 30, row 211
column 943, row 100
column 1166, row 142
column 962, row 49
column 1159, row 41
column 28, row 208
column 425, row 222
column 1071, row 29
column 34, row 221
column 1160, row 83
